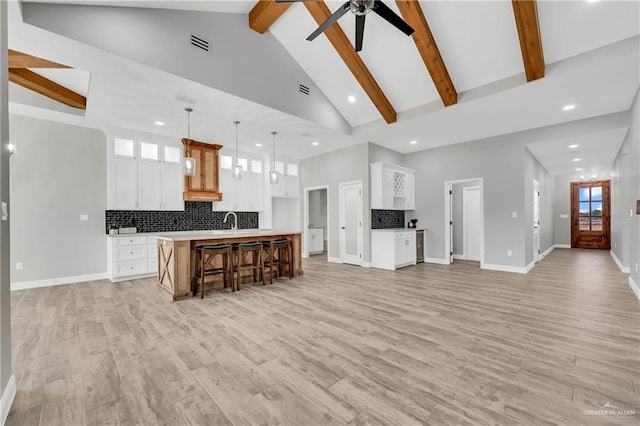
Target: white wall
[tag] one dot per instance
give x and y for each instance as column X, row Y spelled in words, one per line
column 58, row 173
column 625, row 223
column 286, row 214
column 344, row 165
column 533, row 170
column 5, row 297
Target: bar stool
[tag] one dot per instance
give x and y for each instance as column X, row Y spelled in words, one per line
column 205, row 255
column 242, row 250
column 282, row 248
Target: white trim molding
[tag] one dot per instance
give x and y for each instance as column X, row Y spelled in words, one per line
column 459, row 257
column 7, row 399
column 436, row 260
column 530, row 266
column 334, row 260
column 507, row 268
column 635, row 287
column 623, row 269
column 366, row 264
column 547, row 251
column 58, row 281
column 562, row 246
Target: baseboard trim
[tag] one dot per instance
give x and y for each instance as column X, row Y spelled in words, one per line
column 334, row 260
column 506, row 268
column 366, row 264
column 7, row 399
column 562, row 245
column 58, row 281
column 460, row 257
column 549, row 250
column 623, row 269
column 634, row 286
column 436, row 260
column 530, row 266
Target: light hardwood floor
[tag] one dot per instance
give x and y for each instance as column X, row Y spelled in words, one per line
column 429, row 344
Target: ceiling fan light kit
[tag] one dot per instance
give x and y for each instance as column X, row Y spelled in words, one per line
column 360, row 8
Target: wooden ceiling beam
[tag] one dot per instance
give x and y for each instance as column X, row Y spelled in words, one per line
column 46, row 87
column 23, row 60
column 526, row 14
column 339, row 40
column 265, row 13
column 412, row 13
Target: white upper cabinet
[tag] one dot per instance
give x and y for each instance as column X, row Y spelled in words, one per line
column 287, row 186
column 246, row 194
column 145, row 175
column 392, row 187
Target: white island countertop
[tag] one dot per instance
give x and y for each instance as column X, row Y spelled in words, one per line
column 220, row 234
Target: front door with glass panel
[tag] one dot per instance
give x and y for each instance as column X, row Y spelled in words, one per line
column 590, row 215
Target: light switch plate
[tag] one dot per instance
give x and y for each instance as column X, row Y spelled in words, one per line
column 564, row 216
column 514, row 214
column 84, row 218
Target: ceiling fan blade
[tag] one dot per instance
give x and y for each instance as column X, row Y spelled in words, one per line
column 359, row 31
column 390, row 16
column 332, row 19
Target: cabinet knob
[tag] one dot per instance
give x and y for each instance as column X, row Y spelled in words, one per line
column 131, row 253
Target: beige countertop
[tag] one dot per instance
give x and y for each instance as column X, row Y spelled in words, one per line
column 220, row 234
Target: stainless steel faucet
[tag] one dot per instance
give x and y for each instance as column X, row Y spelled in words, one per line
column 234, row 228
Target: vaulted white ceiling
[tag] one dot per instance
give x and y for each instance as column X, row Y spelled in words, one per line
column 478, row 42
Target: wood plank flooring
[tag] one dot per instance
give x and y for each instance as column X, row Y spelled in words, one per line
column 430, row 344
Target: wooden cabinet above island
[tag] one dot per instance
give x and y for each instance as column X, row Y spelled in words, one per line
column 205, row 184
column 176, row 255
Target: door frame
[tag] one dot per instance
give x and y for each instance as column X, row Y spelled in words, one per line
column 537, row 254
column 305, row 246
column 606, row 201
column 448, row 234
column 464, row 219
column 341, row 215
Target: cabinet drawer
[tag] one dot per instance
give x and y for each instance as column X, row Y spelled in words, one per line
column 131, row 268
column 130, row 253
column 152, row 266
column 129, row 241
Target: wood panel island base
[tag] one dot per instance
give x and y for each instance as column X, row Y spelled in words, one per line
column 176, row 256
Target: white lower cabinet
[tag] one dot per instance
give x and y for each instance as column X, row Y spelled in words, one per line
column 393, row 249
column 131, row 256
column 315, row 240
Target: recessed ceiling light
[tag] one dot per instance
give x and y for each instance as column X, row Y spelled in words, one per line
column 413, row 142
column 351, row 98
column 315, row 143
column 568, row 107
column 576, row 159
column 575, row 145
column 595, row 175
column 581, row 176
column 259, row 145
column 591, row 1
column 579, row 169
column 159, row 123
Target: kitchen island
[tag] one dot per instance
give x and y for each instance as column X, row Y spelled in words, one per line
column 176, row 255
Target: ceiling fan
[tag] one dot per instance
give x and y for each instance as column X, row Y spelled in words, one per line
column 360, row 8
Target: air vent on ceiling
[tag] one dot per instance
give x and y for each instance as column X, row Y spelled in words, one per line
column 303, row 89
column 200, row 43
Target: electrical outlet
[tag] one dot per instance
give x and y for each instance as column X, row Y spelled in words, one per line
column 630, row 212
column 84, row 218
column 514, row 214
column 615, row 245
column 636, row 267
column 509, row 253
column 19, row 266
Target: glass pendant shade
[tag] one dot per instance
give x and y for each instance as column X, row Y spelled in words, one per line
column 274, row 177
column 189, row 166
column 236, row 171
column 188, row 163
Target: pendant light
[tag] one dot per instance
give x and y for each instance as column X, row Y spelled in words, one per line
column 236, row 171
column 188, row 162
column 274, row 176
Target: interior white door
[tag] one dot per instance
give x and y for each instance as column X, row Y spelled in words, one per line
column 351, row 223
column 536, row 220
column 472, row 223
column 450, row 187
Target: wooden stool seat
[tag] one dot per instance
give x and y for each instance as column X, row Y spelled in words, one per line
column 285, row 257
column 205, row 256
column 242, row 250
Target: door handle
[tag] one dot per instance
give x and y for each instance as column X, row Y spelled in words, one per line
column 343, row 227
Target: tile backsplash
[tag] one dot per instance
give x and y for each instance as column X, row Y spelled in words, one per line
column 197, row 216
column 387, row 219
